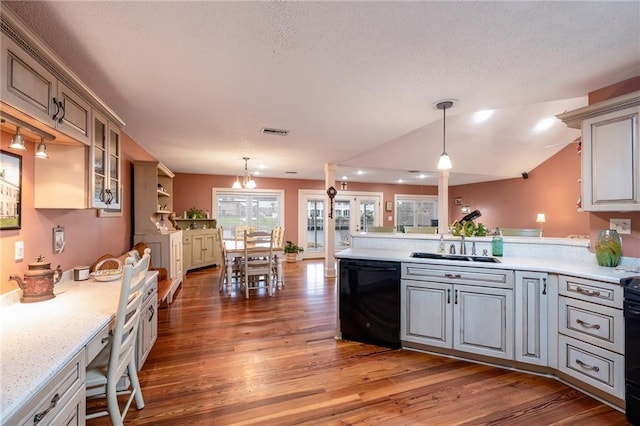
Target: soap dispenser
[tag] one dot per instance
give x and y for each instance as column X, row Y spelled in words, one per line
column 441, row 247
column 496, row 243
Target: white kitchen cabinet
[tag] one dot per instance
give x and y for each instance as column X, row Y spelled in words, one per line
column 148, row 328
column 466, row 309
column 31, row 88
column 166, row 252
column 591, row 333
column 152, row 195
column 610, row 153
column 60, row 401
column 531, row 313
column 106, row 163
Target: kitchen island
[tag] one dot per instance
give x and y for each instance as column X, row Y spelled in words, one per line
column 555, row 312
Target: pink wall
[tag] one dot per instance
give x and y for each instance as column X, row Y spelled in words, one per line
column 552, row 188
column 87, row 236
column 195, row 190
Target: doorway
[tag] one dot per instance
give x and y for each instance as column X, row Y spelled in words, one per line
column 353, row 212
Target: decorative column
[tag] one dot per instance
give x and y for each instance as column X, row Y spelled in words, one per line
column 329, row 222
column 443, row 202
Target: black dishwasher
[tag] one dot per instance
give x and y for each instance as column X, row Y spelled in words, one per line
column 632, row 347
column 369, row 305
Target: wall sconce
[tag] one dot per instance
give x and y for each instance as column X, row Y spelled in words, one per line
column 540, row 219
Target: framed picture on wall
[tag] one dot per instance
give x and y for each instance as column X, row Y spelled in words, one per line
column 10, row 190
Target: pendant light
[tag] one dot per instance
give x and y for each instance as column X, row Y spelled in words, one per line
column 444, row 163
column 247, row 180
column 18, row 141
column 41, row 151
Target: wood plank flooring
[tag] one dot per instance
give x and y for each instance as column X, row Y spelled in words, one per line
column 221, row 360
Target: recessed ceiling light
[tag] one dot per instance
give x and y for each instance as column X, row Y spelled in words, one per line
column 400, row 181
column 544, row 124
column 483, row 115
column 422, row 176
column 344, row 178
column 360, row 172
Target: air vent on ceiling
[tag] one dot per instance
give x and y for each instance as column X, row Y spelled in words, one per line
column 277, row 132
column 291, row 173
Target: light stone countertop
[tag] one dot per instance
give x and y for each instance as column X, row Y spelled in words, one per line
column 565, row 267
column 38, row 339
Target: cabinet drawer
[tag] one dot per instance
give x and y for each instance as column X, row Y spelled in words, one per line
column 98, row 342
column 458, row 275
column 592, row 365
column 54, row 397
column 595, row 324
column 591, row 291
column 74, row 412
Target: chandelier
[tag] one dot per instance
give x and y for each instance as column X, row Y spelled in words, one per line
column 247, row 181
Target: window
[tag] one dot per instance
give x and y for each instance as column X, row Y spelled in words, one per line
column 415, row 210
column 262, row 209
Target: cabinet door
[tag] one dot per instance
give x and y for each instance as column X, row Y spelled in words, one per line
column 27, row 85
column 175, row 268
column 75, row 118
column 531, row 308
column 105, row 164
column 198, row 250
column 426, row 313
column 210, row 243
column 483, row 320
column 148, row 329
column 610, row 174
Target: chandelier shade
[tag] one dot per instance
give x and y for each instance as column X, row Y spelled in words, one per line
column 247, row 181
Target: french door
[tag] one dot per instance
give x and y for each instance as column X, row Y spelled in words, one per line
column 353, row 212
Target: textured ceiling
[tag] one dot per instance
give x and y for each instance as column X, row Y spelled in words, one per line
column 354, row 82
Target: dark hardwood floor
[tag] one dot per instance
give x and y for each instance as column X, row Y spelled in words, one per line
column 221, row 359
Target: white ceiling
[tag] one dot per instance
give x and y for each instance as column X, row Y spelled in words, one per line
column 354, row 82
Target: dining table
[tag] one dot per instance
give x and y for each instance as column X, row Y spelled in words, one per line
column 235, row 252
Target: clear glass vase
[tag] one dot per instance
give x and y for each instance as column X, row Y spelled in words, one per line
column 608, row 248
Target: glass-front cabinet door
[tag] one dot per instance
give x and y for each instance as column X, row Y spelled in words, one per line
column 106, row 175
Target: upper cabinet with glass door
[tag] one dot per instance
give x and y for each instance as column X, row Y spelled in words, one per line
column 106, row 173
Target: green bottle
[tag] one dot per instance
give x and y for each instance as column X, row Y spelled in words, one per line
column 496, row 243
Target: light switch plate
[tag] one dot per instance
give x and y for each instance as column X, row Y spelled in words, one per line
column 623, row 226
column 19, row 250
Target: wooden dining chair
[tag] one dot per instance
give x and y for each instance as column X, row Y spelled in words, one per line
column 118, row 358
column 238, row 233
column 257, row 263
column 278, row 243
column 235, row 264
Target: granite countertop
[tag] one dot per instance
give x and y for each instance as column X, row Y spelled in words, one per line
column 577, row 269
column 38, row 339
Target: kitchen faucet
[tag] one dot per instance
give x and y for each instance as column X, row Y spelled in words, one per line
column 463, row 249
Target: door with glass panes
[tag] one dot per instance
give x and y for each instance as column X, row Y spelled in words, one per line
column 352, row 212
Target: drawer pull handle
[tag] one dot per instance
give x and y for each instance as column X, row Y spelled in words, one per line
column 587, row 366
column 455, row 299
column 448, row 296
column 39, row 416
column 544, row 288
column 153, row 311
column 588, row 324
column 587, row 292
column 454, row 276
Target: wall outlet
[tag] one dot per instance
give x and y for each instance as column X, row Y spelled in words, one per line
column 19, row 250
column 623, row 226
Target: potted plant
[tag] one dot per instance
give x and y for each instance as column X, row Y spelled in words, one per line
column 291, row 251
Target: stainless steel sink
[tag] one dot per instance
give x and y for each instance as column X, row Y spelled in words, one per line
column 461, row 257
